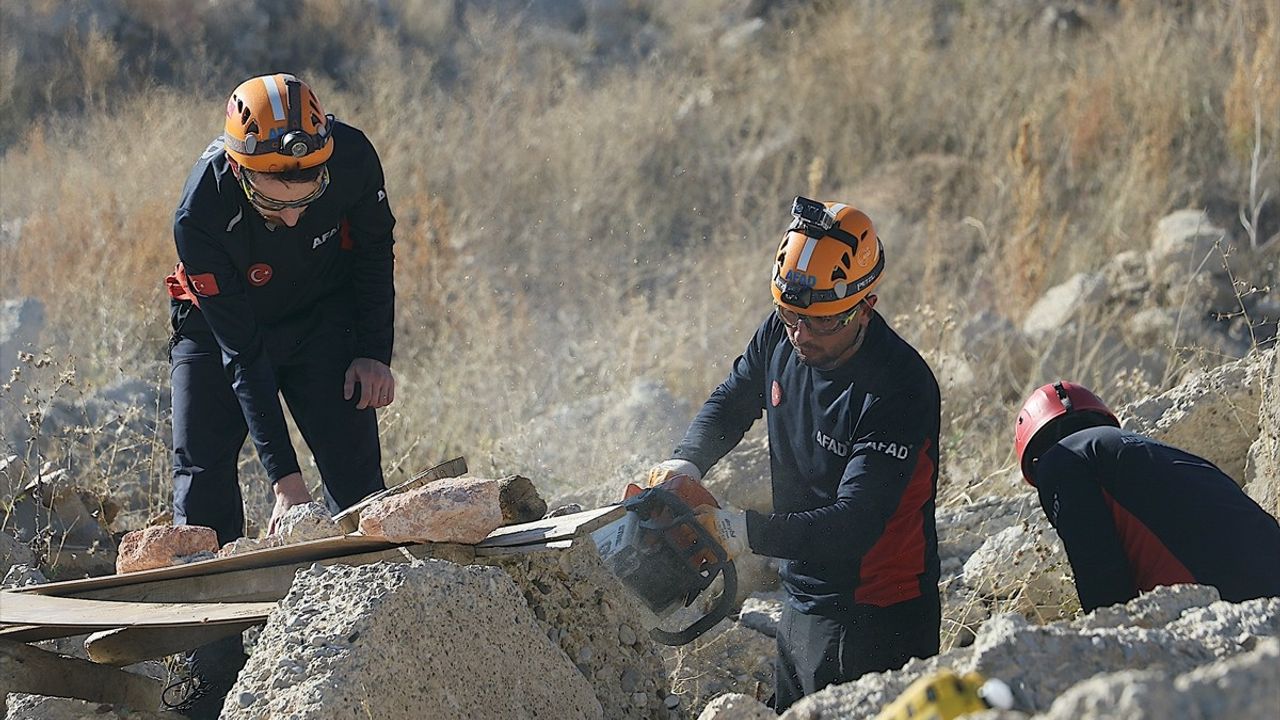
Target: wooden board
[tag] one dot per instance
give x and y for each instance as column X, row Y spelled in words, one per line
column 28, row 669
column 307, row 552
column 31, row 609
column 335, row 548
column 349, row 519
column 556, row 528
column 256, row 584
column 126, row 646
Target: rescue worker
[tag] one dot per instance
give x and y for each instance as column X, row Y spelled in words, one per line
column 1134, row 513
column 853, row 418
column 283, row 287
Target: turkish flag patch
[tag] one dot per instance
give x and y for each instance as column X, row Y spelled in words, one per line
column 204, row 284
column 775, row 395
column 259, row 274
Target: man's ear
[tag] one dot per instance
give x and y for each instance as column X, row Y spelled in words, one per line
column 870, row 300
column 235, row 166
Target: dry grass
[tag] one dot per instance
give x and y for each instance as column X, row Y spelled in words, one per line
column 567, row 225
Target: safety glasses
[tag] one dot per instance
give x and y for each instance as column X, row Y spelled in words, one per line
column 817, row 324
column 270, row 204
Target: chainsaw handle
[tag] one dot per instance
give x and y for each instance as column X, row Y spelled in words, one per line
column 723, row 606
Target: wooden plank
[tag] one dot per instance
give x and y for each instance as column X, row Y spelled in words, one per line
column 556, row 528
column 300, row 553
column 126, row 646
column 250, row 585
column 28, row 669
column 501, row 551
column 565, row 526
column 349, row 519
column 28, row 609
column 264, row 583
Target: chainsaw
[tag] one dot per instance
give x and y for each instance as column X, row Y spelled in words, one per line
column 666, row 558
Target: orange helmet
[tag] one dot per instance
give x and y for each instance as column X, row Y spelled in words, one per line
column 1048, row 403
column 829, row 260
column 275, row 123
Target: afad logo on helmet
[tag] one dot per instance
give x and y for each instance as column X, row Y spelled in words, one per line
column 799, row 278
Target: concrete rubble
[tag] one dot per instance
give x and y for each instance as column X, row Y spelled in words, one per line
column 429, row 638
column 594, row 621
column 161, row 546
column 460, row 510
column 1177, row 635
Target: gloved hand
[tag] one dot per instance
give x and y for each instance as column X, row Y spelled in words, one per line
column 728, row 525
column 679, row 477
column 668, row 469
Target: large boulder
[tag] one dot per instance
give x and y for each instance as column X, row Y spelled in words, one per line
column 1185, row 262
column 1262, row 473
column 1213, row 414
column 418, row 639
column 1025, row 563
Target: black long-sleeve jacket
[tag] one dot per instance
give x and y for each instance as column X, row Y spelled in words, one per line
column 854, row 459
column 261, row 288
column 1134, row 513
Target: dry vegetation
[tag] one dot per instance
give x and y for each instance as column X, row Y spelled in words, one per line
column 575, row 214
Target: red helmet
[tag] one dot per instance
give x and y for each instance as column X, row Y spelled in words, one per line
column 1046, row 404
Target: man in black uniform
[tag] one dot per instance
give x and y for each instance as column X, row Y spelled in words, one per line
column 1134, row 513
column 284, row 287
column 853, row 417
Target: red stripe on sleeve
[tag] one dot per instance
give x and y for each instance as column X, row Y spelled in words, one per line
column 891, row 569
column 1152, row 561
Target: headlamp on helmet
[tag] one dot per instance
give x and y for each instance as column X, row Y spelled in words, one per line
column 275, row 124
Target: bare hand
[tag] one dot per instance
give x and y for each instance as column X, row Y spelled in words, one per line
column 377, row 384
column 290, row 490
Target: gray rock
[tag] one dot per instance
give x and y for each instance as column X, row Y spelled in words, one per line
column 762, row 613
column 1061, row 303
column 308, row 521
column 1213, row 414
column 14, row 552
column 1262, row 472
column 395, row 619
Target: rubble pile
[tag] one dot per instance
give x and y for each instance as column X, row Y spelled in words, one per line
column 586, row 612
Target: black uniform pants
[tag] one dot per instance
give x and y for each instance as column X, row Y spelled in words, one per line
column 815, row 651
column 209, row 428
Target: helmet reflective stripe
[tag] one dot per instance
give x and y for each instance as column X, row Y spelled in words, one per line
column 807, row 254
column 837, row 208
column 273, row 94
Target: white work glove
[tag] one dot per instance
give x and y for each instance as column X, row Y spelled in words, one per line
column 728, row 526
column 668, row 469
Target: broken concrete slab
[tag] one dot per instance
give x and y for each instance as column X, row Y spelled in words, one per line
column 427, row 638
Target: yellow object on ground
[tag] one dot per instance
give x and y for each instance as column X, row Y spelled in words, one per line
column 946, row 695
